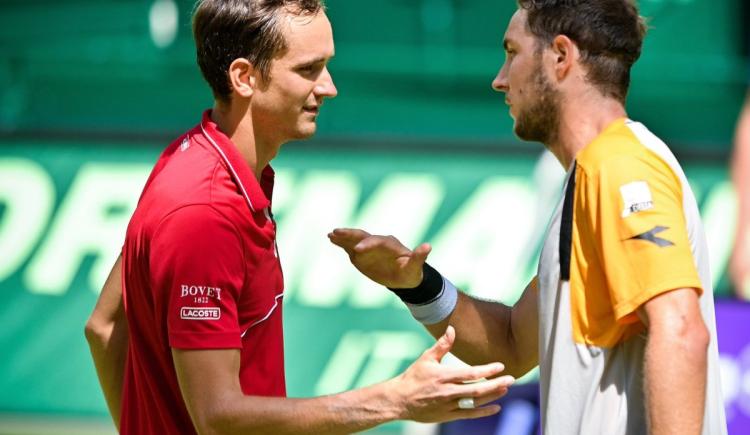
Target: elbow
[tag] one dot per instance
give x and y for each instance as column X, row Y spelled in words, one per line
column 691, row 337
column 697, row 338
column 206, row 428
column 519, row 367
column 208, row 422
column 96, row 331
column 213, row 423
column 213, row 426
column 214, row 420
column 674, row 321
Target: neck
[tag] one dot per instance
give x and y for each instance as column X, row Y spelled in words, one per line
column 581, row 121
column 235, row 121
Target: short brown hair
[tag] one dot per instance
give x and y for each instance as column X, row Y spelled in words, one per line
column 225, row 30
column 608, row 33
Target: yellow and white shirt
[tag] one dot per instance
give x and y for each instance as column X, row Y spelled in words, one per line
column 627, row 229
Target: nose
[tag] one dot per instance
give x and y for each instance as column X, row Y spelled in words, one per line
column 500, row 83
column 325, row 87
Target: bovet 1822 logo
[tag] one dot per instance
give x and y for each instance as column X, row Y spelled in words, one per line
column 201, row 294
column 200, row 313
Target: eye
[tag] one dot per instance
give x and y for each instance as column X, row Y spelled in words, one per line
column 310, row 69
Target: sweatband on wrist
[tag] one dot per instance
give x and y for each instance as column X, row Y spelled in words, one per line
column 432, row 300
column 426, row 291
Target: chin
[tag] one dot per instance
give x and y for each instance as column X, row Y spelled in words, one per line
column 305, row 132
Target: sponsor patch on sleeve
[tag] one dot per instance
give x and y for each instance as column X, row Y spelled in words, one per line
column 200, row 313
column 636, row 196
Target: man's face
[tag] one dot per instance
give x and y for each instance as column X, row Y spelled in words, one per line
column 533, row 101
column 286, row 106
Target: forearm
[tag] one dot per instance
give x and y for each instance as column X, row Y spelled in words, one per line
column 675, row 383
column 108, row 346
column 107, row 334
column 426, row 391
column 482, row 331
column 344, row 413
column 490, row 331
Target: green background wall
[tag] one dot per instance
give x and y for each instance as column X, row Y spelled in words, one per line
column 406, row 69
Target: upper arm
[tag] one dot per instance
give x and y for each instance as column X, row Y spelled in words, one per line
column 633, row 208
column 524, row 323
column 677, row 311
column 109, row 307
column 207, row 398
column 197, row 273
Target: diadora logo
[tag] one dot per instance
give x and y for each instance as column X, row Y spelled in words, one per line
column 185, row 144
column 200, row 291
column 198, row 313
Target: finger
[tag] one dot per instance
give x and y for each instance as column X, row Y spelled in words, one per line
column 484, row 388
column 347, row 237
column 342, row 242
column 382, row 242
column 474, row 373
column 489, row 398
column 421, row 252
column 350, row 232
column 480, row 412
column 442, row 346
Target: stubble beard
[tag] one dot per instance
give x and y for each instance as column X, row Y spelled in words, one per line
column 541, row 121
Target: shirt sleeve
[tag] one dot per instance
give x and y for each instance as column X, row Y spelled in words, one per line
column 197, row 273
column 639, row 227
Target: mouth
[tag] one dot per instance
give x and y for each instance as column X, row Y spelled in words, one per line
column 510, row 109
column 313, row 110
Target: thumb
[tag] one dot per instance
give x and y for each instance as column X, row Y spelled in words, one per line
column 442, row 346
column 421, row 252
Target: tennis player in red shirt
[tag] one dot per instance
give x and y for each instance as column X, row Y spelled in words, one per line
column 187, row 333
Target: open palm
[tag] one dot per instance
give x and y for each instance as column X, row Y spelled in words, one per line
column 383, row 259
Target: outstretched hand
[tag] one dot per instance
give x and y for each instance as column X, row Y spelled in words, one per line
column 383, row 259
column 429, row 391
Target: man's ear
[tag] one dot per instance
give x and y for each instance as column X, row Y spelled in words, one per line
column 242, row 77
column 565, row 53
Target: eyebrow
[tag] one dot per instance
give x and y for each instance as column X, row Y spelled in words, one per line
column 315, row 60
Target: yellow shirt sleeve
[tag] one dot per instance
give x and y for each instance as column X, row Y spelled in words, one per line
column 635, row 217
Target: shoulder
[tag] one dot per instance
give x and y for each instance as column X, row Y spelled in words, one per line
column 199, row 227
column 628, row 151
column 190, row 172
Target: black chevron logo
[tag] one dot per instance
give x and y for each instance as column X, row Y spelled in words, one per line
column 651, row 236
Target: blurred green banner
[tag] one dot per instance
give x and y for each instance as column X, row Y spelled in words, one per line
column 64, row 207
column 405, row 69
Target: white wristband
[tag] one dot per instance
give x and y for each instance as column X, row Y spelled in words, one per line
column 437, row 309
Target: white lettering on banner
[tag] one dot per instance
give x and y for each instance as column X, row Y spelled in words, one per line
column 490, row 239
column 86, row 225
column 28, row 194
column 417, row 196
column 323, row 200
column 200, row 290
column 378, row 355
column 329, row 280
column 199, row 313
column 484, row 247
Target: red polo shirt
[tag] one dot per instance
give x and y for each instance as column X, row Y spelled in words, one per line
column 200, row 271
